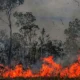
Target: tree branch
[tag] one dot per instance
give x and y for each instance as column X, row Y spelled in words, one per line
column 3, row 20
column 62, row 21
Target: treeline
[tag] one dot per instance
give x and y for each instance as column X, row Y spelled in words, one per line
column 31, row 42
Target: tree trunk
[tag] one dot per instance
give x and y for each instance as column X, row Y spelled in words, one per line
column 30, row 45
column 42, row 42
column 10, row 45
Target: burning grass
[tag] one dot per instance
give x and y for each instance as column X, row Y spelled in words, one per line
column 50, row 70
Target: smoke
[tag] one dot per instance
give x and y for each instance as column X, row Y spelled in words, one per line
column 67, row 59
column 36, row 67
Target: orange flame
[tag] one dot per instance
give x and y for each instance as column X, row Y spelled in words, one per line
column 49, row 69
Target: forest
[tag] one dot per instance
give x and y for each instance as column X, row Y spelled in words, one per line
column 31, row 43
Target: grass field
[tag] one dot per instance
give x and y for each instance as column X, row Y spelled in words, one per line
column 41, row 79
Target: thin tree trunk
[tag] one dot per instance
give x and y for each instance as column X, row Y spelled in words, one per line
column 42, row 42
column 10, row 47
column 30, row 44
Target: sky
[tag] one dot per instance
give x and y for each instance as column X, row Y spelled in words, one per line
column 53, row 15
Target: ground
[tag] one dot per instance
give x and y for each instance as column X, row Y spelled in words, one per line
column 42, row 79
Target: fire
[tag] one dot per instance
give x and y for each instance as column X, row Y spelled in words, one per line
column 72, row 71
column 49, row 69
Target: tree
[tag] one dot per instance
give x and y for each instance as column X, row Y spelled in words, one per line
column 42, row 41
column 48, row 47
column 17, row 48
column 28, row 28
column 8, row 6
column 3, row 42
column 72, row 33
column 57, row 47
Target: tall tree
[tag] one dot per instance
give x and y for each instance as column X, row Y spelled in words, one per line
column 3, row 41
column 44, row 38
column 72, row 33
column 26, row 23
column 8, row 6
column 28, row 28
column 17, row 48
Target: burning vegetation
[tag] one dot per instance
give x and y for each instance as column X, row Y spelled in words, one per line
column 22, row 49
column 48, row 69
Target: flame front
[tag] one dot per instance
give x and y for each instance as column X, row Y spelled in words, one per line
column 49, row 69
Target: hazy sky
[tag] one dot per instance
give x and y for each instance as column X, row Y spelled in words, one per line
column 54, row 15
